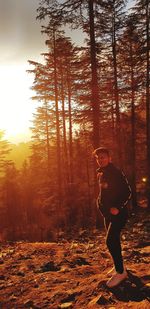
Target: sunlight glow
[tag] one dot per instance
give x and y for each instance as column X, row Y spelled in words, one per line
column 144, row 179
column 16, row 107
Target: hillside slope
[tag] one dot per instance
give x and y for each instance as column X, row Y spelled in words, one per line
column 73, row 274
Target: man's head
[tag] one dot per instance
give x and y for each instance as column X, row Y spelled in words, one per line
column 102, row 156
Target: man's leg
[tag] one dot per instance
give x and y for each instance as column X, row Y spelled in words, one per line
column 107, row 223
column 113, row 240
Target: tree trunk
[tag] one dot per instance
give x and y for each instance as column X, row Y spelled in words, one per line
column 116, row 93
column 47, row 137
column 133, row 134
column 64, row 127
column 148, row 101
column 70, row 124
column 94, row 84
column 59, row 173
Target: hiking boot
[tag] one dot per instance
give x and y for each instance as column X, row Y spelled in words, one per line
column 116, row 279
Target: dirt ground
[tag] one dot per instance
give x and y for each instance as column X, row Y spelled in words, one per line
column 73, row 273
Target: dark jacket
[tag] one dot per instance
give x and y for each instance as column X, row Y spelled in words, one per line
column 114, row 189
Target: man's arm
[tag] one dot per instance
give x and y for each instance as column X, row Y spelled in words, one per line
column 124, row 193
column 125, row 190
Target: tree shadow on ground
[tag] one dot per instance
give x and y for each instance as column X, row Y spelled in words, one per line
column 132, row 289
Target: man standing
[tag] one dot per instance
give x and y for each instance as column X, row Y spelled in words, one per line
column 113, row 197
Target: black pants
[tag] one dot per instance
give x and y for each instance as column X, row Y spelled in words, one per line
column 114, row 228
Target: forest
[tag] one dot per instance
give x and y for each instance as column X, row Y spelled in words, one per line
column 89, row 95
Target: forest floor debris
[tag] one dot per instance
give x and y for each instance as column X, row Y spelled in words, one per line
column 73, row 274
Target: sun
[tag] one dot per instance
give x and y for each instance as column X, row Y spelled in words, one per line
column 16, row 107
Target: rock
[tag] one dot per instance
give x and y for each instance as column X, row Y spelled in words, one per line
column 20, row 273
column 145, row 251
column 139, row 224
column 77, row 261
column 13, row 298
column 70, row 297
column 36, row 285
column 81, row 261
column 50, row 266
column 66, row 305
column 2, row 277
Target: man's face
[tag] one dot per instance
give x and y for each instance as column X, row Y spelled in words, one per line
column 103, row 159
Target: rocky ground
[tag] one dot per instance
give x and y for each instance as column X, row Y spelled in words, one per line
column 73, row 273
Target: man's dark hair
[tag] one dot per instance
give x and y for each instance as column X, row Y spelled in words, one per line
column 99, row 150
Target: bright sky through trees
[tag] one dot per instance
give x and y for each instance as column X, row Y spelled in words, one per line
column 16, row 108
column 21, row 40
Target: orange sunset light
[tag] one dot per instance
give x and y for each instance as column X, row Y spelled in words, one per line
column 15, row 103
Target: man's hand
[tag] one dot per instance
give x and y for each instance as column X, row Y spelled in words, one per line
column 99, row 175
column 114, row 211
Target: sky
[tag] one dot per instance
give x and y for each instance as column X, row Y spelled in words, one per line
column 21, row 40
